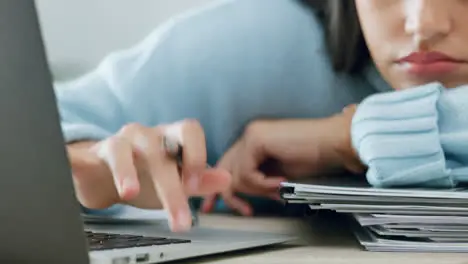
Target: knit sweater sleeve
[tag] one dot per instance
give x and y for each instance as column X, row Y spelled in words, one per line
column 416, row 137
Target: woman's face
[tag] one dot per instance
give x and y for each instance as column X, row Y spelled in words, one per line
column 414, row 42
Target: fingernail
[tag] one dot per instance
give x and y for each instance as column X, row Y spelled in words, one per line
column 127, row 188
column 193, row 182
column 119, row 188
column 127, row 184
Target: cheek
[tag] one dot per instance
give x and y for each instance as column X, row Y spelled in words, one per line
column 382, row 24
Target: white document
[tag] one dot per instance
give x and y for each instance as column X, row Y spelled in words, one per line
column 374, row 242
column 382, row 219
column 393, row 219
column 392, row 209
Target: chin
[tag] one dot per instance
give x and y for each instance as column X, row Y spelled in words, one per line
column 402, row 80
column 406, row 84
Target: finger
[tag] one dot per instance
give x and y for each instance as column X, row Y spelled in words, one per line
column 167, row 183
column 164, row 175
column 227, row 158
column 259, row 179
column 276, row 197
column 169, row 188
column 194, row 156
column 223, row 180
column 209, row 182
column 253, row 148
column 94, row 186
column 117, row 153
column 259, row 182
column 237, row 204
column 209, row 202
column 225, row 163
column 189, row 133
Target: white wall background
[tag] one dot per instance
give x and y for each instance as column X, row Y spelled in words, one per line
column 79, row 33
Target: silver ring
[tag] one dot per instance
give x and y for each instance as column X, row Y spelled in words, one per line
column 172, row 148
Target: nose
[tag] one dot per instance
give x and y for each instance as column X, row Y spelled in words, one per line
column 427, row 20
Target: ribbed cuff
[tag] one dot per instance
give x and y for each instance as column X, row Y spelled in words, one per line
column 396, row 135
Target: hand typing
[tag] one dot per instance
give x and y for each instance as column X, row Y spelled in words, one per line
column 131, row 167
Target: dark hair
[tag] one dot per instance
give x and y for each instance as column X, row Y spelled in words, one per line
column 344, row 39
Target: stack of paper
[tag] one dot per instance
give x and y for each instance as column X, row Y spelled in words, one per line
column 410, row 219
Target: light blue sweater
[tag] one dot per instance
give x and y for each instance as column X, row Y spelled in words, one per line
column 225, row 64
column 417, row 137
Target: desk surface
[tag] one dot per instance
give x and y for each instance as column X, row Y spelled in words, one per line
column 325, row 241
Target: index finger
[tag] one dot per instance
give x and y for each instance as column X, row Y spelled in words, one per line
column 166, row 180
column 167, row 183
column 117, row 153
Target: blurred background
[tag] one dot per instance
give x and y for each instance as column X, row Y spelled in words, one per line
column 78, row 34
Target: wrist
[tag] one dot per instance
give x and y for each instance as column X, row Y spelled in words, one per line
column 342, row 143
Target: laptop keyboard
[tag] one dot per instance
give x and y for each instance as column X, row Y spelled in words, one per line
column 105, row 241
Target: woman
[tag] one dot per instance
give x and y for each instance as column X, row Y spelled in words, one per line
column 257, row 89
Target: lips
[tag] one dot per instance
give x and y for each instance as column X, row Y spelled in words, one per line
column 430, row 63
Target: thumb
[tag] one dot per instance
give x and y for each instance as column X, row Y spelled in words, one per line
column 224, row 164
column 211, row 181
column 227, row 161
column 254, row 146
column 249, row 165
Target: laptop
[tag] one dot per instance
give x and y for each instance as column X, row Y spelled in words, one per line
column 40, row 218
